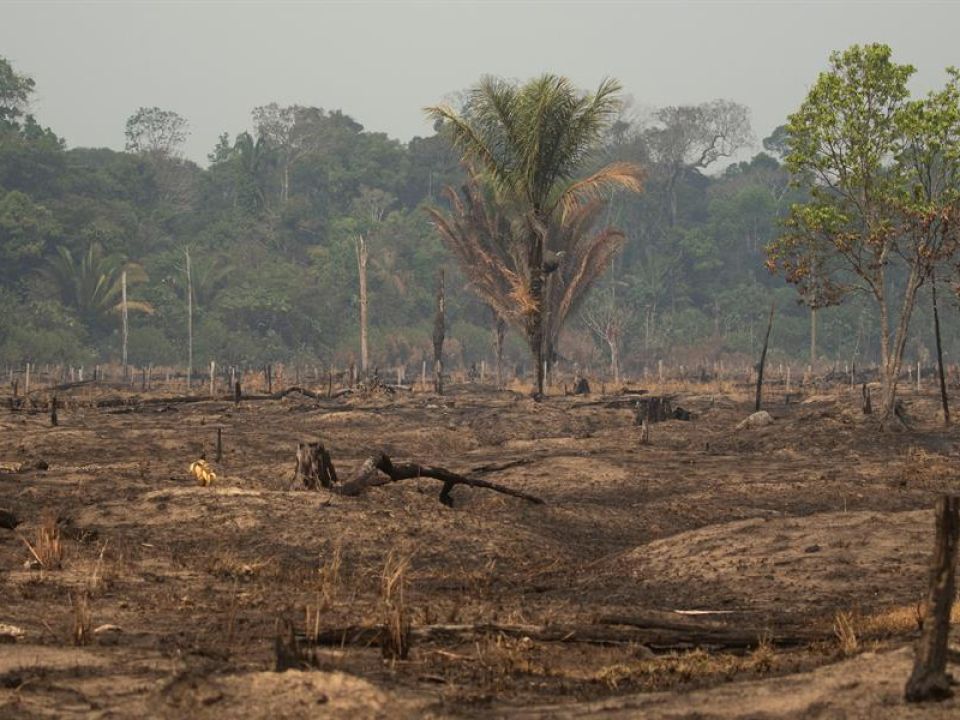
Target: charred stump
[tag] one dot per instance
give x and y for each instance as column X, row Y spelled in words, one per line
column 653, row 409
column 314, row 466
column 929, row 680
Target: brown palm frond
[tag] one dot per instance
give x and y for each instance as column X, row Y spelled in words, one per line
column 598, row 253
column 615, row 176
column 481, row 239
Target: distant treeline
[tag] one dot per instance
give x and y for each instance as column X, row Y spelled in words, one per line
column 270, row 226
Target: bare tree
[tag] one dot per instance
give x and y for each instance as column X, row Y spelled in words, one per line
column 608, row 320
column 186, row 253
column 685, row 138
column 295, row 133
column 370, row 208
column 159, row 135
column 152, row 131
column 361, row 246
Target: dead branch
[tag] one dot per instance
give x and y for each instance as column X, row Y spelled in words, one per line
column 380, row 470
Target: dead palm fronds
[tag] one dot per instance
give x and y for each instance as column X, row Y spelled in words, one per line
column 490, row 251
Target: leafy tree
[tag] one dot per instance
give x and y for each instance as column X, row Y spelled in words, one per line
column 531, row 140
column 862, row 148
column 25, row 230
column 15, row 91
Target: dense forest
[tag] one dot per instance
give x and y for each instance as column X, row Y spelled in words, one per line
column 269, row 228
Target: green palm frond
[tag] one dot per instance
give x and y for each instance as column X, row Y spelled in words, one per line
column 91, row 283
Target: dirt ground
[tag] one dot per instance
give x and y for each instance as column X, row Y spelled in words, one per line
column 169, row 597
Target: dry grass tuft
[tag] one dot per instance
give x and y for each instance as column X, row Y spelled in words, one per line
column 921, row 467
column 396, row 619
column 81, row 618
column 899, row 620
column 47, row 549
column 329, row 583
column 97, row 577
column 764, row 654
column 696, row 666
column 844, row 628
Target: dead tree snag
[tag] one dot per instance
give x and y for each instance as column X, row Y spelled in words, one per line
column 439, row 330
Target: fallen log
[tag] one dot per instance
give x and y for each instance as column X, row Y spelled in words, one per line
column 498, row 467
column 666, row 630
column 595, row 634
column 62, row 387
column 373, row 470
column 626, row 400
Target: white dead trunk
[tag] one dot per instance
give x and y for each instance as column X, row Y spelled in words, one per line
column 189, row 321
column 123, row 314
column 362, row 269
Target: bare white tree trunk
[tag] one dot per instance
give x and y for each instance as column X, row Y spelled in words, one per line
column 123, row 315
column 189, row 321
column 362, row 269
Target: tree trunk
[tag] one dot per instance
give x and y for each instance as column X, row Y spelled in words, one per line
column 189, row 322
column 614, row 342
column 499, row 331
column 123, row 315
column 439, row 331
column 763, row 359
column 362, row 270
column 936, row 331
column 893, row 357
column 535, row 321
column 813, row 337
column 929, row 680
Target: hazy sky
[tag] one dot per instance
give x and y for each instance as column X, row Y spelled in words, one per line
column 95, row 63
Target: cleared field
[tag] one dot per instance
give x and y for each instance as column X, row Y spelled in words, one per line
column 169, row 598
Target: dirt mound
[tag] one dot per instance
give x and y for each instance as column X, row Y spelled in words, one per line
column 817, row 562
column 271, row 696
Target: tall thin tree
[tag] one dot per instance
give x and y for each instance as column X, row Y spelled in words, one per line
column 123, row 315
column 189, row 320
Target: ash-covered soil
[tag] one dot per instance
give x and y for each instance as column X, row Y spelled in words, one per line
column 183, row 590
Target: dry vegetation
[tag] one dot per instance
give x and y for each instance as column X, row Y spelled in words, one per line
column 129, row 589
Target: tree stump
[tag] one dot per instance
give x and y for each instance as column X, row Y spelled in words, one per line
column 929, row 680
column 866, row 405
column 314, row 466
column 653, row 409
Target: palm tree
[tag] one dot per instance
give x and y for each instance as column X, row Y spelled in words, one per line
column 529, row 142
column 91, row 283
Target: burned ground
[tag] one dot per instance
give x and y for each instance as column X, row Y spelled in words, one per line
column 778, row 529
